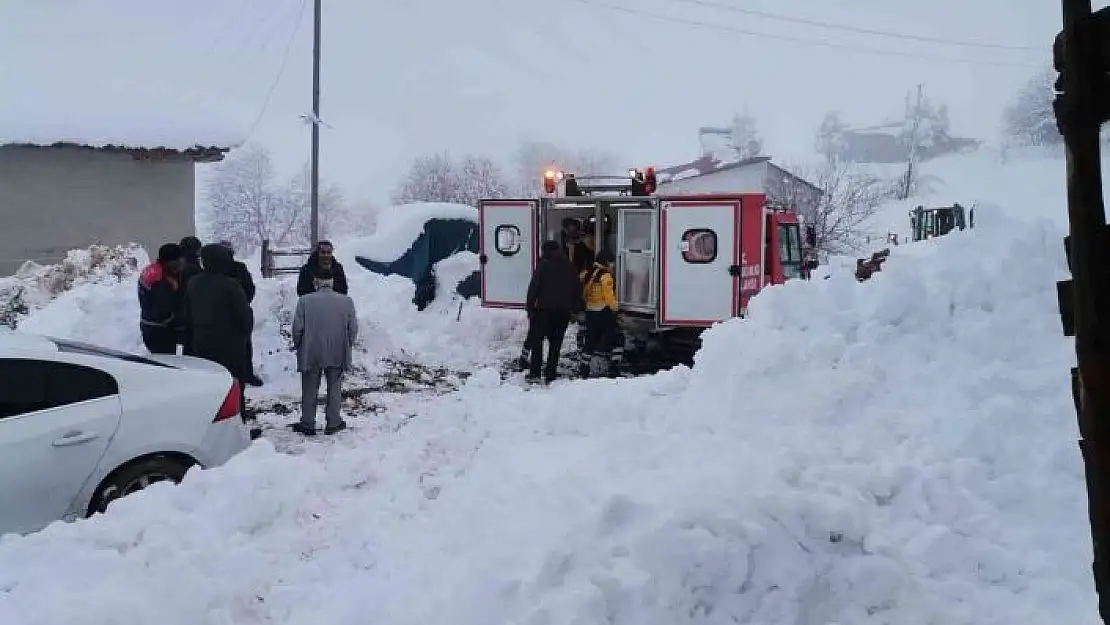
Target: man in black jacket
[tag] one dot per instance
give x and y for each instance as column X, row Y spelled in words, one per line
column 242, row 275
column 220, row 317
column 554, row 296
column 190, row 248
column 322, row 258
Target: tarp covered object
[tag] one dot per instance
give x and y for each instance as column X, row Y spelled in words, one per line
column 439, row 239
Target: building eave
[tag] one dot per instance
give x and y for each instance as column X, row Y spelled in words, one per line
column 196, row 154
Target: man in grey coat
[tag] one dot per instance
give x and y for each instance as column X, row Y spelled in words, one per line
column 324, row 331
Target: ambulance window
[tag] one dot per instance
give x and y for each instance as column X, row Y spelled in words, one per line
column 507, row 239
column 699, row 246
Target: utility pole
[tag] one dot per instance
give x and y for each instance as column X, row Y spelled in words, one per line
column 315, row 192
column 1082, row 57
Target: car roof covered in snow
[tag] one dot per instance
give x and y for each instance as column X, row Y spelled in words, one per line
column 15, row 342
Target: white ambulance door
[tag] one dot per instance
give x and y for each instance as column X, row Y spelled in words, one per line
column 507, row 250
column 699, row 281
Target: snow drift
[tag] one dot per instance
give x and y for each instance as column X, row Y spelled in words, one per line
column 900, row 451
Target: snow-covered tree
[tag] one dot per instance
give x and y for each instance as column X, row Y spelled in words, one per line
column 1029, row 119
column 744, row 136
column 246, row 204
column 925, row 127
column 829, row 141
column 439, row 178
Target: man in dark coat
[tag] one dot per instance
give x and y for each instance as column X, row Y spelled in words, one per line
column 190, row 248
column 161, row 305
column 242, row 275
column 321, row 260
column 554, row 296
column 220, row 317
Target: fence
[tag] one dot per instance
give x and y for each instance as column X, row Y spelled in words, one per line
column 269, row 269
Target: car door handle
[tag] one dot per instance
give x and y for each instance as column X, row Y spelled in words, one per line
column 75, row 438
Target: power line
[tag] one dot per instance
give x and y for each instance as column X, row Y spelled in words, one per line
column 281, row 70
column 721, row 6
column 799, row 40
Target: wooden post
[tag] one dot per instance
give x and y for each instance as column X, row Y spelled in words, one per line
column 1085, row 299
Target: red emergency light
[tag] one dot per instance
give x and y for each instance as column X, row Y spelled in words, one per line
column 649, row 180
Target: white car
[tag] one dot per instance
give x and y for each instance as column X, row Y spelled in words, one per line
column 82, row 426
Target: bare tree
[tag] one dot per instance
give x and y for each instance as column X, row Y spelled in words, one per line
column 334, row 217
column 925, row 128
column 849, row 197
column 438, row 178
column 829, row 141
column 245, row 204
column 532, row 158
column 744, row 137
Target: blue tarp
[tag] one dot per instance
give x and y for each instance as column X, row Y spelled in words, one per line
column 440, row 239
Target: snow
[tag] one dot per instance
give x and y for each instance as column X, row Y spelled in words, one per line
column 44, row 108
column 399, row 226
column 897, row 451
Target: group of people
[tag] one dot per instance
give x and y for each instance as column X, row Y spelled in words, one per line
column 571, row 281
column 199, row 297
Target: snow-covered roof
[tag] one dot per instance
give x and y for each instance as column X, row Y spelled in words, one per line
column 704, row 165
column 118, row 117
column 399, row 226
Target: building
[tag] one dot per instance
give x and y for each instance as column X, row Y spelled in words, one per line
column 61, row 196
column 709, row 174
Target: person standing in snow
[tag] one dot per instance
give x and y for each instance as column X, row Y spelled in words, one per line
column 325, row 327
column 600, row 295
column 554, row 296
column 322, row 259
column 242, row 275
column 190, row 247
column 220, row 316
column 161, row 314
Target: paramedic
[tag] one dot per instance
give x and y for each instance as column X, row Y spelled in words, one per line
column 600, row 294
column 554, row 295
column 577, row 250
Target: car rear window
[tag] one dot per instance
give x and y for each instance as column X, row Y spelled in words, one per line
column 77, row 347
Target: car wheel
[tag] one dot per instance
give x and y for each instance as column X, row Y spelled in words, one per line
column 136, row 476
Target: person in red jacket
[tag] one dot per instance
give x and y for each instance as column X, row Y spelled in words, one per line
column 161, row 301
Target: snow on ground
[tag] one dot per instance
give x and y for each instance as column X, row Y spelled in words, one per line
column 101, row 307
column 399, row 226
column 1028, row 182
column 898, row 451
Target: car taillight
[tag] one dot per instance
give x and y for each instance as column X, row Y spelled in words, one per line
column 230, row 408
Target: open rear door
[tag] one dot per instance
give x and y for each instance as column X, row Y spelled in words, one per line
column 699, row 282
column 507, row 250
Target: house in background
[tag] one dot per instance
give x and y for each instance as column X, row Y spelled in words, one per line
column 709, row 174
column 59, row 193
column 880, row 145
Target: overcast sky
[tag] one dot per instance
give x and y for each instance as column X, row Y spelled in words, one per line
column 405, row 78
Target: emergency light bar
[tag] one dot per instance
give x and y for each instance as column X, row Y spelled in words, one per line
column 637, row 182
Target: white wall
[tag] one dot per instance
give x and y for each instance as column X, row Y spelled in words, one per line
column 747, row 179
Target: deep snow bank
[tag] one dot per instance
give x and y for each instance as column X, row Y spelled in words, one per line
column 900, row 451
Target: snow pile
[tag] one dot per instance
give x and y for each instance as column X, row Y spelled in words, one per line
column 399, row 226
column 459, row 335
column 898, row 451
column 82, row 276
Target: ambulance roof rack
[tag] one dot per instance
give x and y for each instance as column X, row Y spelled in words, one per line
column 633, row 184
column 591, row 185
